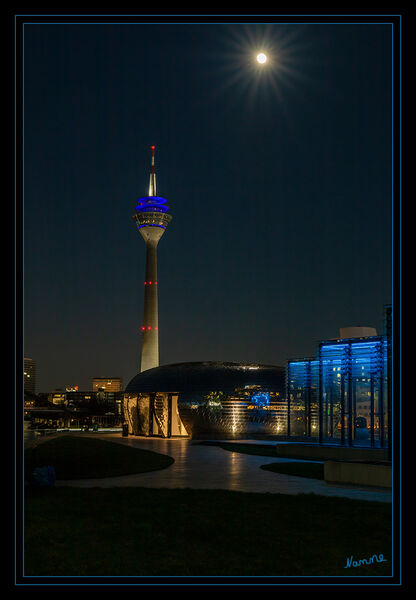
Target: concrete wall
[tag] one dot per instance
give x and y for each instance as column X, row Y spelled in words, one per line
column 358, row 473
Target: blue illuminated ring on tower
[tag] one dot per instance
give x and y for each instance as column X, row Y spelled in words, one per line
column 152, row 203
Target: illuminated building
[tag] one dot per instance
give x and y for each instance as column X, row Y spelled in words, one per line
column 107, row 384
column 97, row 402
column 342, row 395
column 57, row 397
column 151, row 218
column 207, row 399
column 29, row 375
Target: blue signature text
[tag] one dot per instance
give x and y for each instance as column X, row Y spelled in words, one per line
column 376, row 558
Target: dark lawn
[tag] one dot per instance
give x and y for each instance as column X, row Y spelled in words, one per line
column 141, row 531
column 300, row 469
column 75, row 457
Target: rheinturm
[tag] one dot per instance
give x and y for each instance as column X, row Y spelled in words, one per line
column 151, row 218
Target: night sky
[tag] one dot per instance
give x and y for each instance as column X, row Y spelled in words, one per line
column 278, row 180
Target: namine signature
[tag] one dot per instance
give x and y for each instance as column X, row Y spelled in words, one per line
column 365, row 561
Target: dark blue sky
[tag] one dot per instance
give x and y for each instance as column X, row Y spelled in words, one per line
column 279, row 183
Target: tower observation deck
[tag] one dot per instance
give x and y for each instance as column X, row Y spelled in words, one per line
column 151, row 218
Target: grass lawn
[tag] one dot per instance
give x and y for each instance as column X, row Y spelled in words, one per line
column 75, row 457
column 300, row 469
column 144, row 531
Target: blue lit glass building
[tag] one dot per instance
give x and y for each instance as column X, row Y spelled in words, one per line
column 342, row 395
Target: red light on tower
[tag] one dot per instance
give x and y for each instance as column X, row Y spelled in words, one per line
column 149, row 327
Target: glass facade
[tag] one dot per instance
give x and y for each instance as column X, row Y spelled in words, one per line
column 303, row 398
column 341, row 396
column 252, row 409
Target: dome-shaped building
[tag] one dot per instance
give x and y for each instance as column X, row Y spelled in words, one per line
column 207, row 399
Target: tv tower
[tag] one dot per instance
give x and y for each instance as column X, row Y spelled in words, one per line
column 151, row 219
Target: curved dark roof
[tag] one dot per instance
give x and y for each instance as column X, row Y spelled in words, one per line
column 203, row 376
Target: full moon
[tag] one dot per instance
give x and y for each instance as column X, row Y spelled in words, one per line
column 261, row 58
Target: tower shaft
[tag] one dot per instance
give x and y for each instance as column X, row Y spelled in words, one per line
column 150, row 338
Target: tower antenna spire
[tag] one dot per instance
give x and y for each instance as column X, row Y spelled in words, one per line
column 152, row 183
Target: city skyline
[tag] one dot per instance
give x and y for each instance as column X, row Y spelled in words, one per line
column 281, row 188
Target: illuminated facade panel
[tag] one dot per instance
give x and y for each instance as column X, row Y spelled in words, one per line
column 153, row 414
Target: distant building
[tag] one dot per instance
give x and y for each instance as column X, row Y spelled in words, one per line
column 30, row 375
column 57, row 397
column 29, row 401
column 107, row 384
column 76, row 409
column 95, row 402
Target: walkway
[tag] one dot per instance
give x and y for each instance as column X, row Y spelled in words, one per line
column 210, row 467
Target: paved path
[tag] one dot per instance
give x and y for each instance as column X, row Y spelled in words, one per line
column 210, row 467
